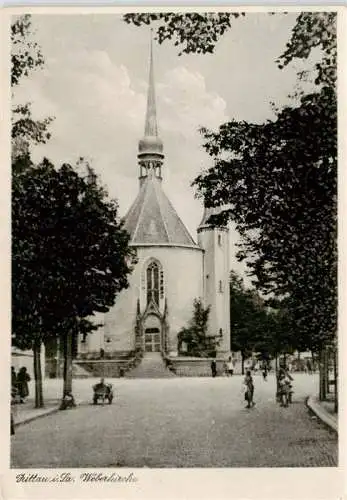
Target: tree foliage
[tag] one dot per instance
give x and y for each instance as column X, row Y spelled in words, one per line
column 192, row 32
column 26, row 56
column 200, row 32
column 26, row 53
column 244, row 317
column 195, row 336
column 314, row 30
column 279, row 183
column 257, row 328
column 70, row 253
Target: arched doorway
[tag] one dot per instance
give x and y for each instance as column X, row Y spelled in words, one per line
column 152, row 334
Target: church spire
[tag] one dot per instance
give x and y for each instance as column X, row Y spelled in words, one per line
column 151, row 127
column 150, row 146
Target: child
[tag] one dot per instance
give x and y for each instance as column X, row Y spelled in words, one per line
column 248, row 381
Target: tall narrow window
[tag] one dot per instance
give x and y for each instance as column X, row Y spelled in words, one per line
column 153, row 283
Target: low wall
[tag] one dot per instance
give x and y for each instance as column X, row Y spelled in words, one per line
column 194, row 367
column 109, row 355
column 107, row 368
column 21, row 358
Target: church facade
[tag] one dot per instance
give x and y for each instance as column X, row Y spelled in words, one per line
column 172, row 269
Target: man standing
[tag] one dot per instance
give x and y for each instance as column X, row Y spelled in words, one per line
column 214, row 368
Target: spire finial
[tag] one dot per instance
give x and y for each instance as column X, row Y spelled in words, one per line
column 150, row 146
column 151, row 128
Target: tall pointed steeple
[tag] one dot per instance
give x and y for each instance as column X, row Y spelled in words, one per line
column 150, row 146
column 151, row 127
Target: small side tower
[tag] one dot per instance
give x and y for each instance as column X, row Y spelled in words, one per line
column 214, row 240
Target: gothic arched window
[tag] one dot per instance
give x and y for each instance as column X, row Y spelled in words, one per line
column 153, row 283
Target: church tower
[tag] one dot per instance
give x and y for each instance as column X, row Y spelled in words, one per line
column 214, row 240
column 167, row 255
column 172, row 270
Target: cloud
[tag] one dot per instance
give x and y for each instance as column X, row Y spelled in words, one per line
column 99, row 114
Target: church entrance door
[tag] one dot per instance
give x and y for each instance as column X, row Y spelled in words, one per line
column 152, row 340
column 152, row 334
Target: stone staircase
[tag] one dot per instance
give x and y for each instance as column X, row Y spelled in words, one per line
column 152, row 365
column 79, row 372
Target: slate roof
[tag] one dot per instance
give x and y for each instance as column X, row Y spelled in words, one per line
column 153, row 220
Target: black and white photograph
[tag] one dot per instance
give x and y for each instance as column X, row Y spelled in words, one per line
column 174, row 240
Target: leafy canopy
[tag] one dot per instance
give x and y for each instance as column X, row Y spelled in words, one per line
column 278, row 182
column 70, row 253
column 195, row 336
column 193, row 32
column 26, row 57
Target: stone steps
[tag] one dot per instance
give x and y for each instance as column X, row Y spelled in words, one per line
column 152, row 365
column 80, row 372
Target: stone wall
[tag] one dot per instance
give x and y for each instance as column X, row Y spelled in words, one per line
column 194, row 367
column 107, row 368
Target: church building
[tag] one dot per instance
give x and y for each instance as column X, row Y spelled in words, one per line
column 172, row 269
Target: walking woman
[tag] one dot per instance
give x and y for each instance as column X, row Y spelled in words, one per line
column 249, row 394
column 284, row 388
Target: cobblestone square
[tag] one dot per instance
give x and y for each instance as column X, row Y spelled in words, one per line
column 179, row 422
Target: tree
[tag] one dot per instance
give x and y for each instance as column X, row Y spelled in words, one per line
column 200, row 32
column 242, row 318
column 26, row 57
column 251, row 326
column 196, row 32
column 314, row 30
column 257, row 328
column 70, row 256
column 195, row 336
column 279, row 182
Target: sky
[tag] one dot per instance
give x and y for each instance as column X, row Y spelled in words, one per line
column 95, row 81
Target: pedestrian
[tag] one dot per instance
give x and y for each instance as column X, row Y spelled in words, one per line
column 13, row 377
column 265, row 372
column 284, row 387
column 22, row 384
column 249, row 394
column 13, row 402
column 230, row 367
column 214, row 368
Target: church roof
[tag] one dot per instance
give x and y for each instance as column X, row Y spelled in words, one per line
column 153, row 220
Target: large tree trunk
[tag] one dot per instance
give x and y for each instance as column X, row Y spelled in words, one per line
column 38, row 374
column 322, row 375
column 327, row 374
column 336, row 391
column 57, row 365
column 67, row 388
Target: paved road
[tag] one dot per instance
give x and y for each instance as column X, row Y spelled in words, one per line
column 179, row 422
